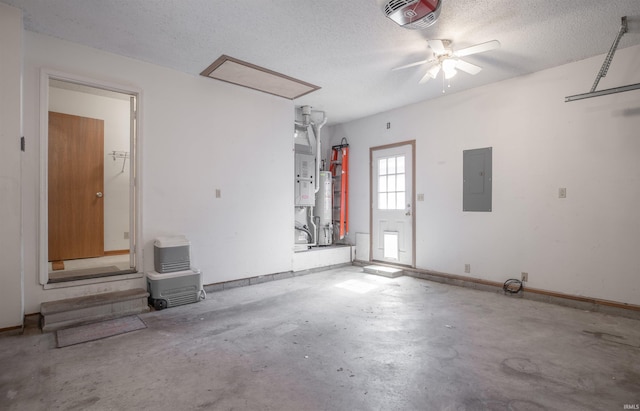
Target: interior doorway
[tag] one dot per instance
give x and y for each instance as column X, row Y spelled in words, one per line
column 392, row 224
column 88, row 191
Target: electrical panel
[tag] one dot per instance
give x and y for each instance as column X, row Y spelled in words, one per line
column 477, row 187
column 304, row 180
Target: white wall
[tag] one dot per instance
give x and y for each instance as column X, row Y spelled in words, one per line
column 11, row 302
column 197, row 135
column 586, row 244
column 115, row 113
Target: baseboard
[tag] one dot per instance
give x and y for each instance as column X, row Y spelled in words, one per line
column 243, row 282
column 17, row 329
column 569, row 300
column 115, row 252
column 57, row 265
column 553, row 297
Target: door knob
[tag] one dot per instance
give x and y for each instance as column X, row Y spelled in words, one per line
column 99, row 194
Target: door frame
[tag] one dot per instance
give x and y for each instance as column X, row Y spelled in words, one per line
column 135, row 187
column 411, row 143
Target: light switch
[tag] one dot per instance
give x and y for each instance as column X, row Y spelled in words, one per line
column 218, row 193
column 420, row 197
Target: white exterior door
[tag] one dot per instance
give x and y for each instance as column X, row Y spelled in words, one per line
column 392, row 210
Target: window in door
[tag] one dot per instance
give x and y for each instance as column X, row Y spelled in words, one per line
column 391, row 183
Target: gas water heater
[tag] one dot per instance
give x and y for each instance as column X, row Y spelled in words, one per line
column 323, row 209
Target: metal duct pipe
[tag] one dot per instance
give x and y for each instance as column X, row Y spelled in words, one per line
column 315, row 227
column 306, row 231
column 319, row 147
column 306, row 115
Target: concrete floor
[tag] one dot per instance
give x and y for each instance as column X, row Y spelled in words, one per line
column 338, row 340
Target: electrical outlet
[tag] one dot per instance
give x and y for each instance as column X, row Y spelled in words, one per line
column 524, row 277
column 562, row 192
column 467, row 268
column 218, row 193
column 126, row 235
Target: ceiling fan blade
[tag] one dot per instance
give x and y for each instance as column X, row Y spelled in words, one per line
column 478, row 48
column 417, row 63
column 437, row 46
column 431, row 73
column 424, row 79
column 468, row 67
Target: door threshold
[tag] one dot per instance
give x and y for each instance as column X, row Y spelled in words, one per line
column 383, row 270
column 86, row 274
column 134, row 276
column 388, row 264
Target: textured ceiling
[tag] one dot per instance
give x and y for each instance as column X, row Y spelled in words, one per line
column 346, row 47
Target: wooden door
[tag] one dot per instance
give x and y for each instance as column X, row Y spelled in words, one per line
column 76, row 184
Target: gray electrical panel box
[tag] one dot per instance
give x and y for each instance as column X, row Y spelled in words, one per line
column 476, row 173
column 304, row 180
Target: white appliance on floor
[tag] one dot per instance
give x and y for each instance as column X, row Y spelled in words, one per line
column 174, row 282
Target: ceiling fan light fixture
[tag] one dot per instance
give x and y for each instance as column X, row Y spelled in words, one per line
column 448, row 74
column 449, row 64
column 449, row 68
column 449, row 61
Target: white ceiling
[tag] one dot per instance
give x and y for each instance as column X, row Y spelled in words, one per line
column 346, row 47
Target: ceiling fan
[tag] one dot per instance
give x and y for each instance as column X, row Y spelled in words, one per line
column 449, row 61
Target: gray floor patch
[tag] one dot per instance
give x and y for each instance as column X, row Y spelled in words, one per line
column 97, row 331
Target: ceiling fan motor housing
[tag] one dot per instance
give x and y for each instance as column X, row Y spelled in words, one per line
column 413, row 14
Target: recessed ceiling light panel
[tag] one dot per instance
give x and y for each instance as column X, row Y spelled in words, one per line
column 249, row 75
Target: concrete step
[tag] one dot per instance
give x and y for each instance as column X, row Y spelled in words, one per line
column 384, row 271
column 56, row 315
